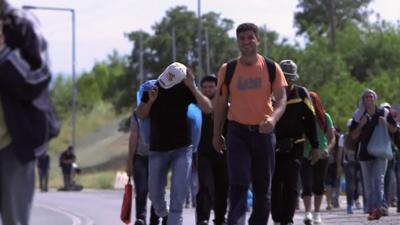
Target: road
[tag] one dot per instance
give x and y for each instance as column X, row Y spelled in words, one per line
column 95, row 207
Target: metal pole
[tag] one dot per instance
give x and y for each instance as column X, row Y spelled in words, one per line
column 74, row 88
column 265, row 40
column 141, row 73
column 173, row 45
column 199, row 69
column 208, row 55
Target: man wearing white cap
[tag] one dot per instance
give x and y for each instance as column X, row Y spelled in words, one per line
column 170, row 139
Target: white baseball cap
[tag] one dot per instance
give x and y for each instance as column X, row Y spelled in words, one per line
column 172, row 75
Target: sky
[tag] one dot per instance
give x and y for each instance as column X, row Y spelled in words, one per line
column 101, row 24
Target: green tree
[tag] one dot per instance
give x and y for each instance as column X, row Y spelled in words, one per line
column 157, row 48
column 317, row 16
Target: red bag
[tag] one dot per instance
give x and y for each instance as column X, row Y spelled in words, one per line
column 127, row 203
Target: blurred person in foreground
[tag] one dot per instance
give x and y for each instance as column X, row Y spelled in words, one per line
column 27, row 117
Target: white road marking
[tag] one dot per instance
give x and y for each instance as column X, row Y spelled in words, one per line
column 75, row 219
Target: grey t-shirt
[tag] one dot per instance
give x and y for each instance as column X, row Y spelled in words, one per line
column 142, row 146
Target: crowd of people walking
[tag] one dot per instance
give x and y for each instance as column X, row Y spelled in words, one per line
column 262, row 133
column 250, row 130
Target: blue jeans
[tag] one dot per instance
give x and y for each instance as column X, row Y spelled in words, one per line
column 180, row 163
column 251, row 158
column 373, row 172
column 193, row 187
column 352, row 175
column 388, row 183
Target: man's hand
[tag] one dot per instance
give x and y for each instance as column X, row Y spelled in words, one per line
column 267, row 126
column 364, row 120
column 128, row 170
column 383, row 121
column 339, row 171
column 314, row 156
column 325, row 154
column 153, row 93
column 219, row 143
column 189, row 81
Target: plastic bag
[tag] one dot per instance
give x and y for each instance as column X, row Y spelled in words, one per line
column 380, row 145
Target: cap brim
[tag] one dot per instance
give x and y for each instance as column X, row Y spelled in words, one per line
column 291, row 76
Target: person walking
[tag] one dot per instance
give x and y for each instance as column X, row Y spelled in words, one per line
column 43, row 165
column 67, row 158
column 171, row 147
column 298, row 119
column 333, row 174
column 212, row 168
column 315, row 162
column 251, row 82
column 365, row 119
column 25, row 127
column 137, row 167
column 352, row 172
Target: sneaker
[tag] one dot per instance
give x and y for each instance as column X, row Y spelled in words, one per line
column 308, row 220
column 204, row 222
column 374, row 215
column 223, row 222
column 328, row 207
column 384, row 211
column 335, row 203
column 358, row 205
column 350, row 209
column 140, row 222
column 398, row 207
column 164, row 220
column 317, row 218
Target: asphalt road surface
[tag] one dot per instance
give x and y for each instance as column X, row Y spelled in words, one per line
column 97, row 207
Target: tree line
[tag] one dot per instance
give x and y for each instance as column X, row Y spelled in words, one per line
column 342, row 54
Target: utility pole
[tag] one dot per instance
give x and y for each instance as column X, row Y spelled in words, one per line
column 141, row 72
column 208, row 55
column 265, row 40
column 199, row 67
column 73, row 63
column 173, row 45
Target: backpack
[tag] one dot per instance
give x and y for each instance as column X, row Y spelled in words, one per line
column 231, row 66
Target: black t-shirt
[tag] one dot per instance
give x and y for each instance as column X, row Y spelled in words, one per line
column 169, row 125
column 367, row 131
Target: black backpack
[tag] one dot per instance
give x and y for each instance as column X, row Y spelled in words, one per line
column 231, row 66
